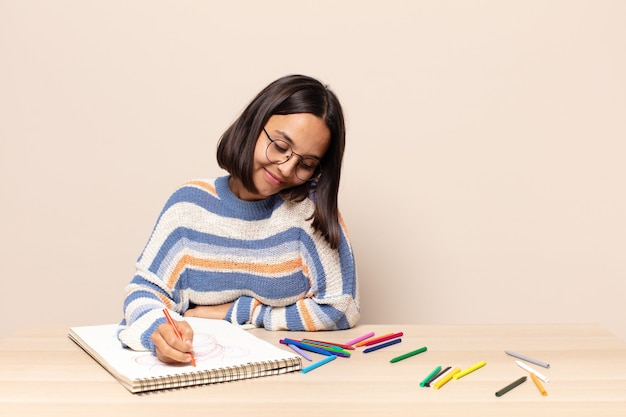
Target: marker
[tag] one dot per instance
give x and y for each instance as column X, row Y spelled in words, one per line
column 470, row 370
column 300, row 352
column 360, row 339
column 532, row 371
column 527, row 358
column 304, row 346
column 430, row 376
column 332, row 349
column 436, row 377
column 321, row 342
column 510, row 386
column 177, row 331
column 382, row 345
column 408, row 355
column 447, row 377
column 318, row 364
column 363, row 342
column 538, row 384
column 382, row 339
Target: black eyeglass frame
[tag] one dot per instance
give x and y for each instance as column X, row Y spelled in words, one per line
column 316, row 172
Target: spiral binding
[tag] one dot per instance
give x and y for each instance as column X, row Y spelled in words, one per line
column 250, row 370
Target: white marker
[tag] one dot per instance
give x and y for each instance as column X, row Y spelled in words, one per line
column 532, row 371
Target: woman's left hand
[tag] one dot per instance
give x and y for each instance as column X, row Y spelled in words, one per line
column 209, row 312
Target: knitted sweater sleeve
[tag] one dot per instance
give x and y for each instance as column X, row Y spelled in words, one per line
column 149, row 291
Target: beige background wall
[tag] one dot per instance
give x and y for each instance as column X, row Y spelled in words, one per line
column 484, row 176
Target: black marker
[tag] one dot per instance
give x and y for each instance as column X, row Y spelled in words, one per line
column 510, row 386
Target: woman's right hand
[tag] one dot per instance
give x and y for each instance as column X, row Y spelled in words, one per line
column 171, row 349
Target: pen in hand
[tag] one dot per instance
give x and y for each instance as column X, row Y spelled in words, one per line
column 180, row 336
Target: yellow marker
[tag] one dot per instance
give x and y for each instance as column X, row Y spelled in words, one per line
column 470, row 369
column 444, row 379
column 539, row 386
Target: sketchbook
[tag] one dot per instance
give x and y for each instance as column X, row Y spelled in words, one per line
column 223, row 352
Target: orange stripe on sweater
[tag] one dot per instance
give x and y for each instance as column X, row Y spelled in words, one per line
column 204, row 185
column 191, row 261
column 343, row 226
column 307, row 317
column 166, row 301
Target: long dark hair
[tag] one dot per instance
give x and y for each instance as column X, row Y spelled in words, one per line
column 289, row 95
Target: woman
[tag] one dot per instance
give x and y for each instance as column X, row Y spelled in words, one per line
column 263, row 246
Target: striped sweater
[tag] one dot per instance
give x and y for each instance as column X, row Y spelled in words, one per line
column 209, row 247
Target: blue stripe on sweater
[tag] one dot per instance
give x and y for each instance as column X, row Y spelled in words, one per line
column 290, row 286
column 210, row 203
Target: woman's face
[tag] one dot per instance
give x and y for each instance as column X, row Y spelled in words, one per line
column 306, row 134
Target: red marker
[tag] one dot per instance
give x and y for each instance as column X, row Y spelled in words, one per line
column 371, row 342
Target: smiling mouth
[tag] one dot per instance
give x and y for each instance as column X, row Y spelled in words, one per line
column 272, row 179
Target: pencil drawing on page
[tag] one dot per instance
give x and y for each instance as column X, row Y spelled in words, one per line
column 206, row 348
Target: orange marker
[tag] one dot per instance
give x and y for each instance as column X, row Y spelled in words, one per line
column 363, row 342
column 538, row 384
column 180, row 336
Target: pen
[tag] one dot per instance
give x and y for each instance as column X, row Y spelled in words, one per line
column 175, row 327
column 527, row 358
column 382, row 338
column 300, row 352
column 470, row 369
column 430, row 376
column 447, row 377
column 408, row 355
column 317, row 364
column 532, row 371
column 360, row 339
column 382, row 345
column 510, row 386
column 538, row 384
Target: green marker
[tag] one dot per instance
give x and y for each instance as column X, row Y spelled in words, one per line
column 430, row 375
column 408, row 355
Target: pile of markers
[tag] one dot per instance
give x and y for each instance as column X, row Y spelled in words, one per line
column 534, row 374
column 436, row 379
column 332, row 350
column 440, row 377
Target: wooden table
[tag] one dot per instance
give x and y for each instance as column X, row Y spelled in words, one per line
column 43, row 373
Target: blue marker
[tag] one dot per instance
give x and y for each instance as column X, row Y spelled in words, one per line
column 382, row 345
column 307, row 347
column 318, row 364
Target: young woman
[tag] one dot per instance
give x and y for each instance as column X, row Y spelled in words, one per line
column 263, row 246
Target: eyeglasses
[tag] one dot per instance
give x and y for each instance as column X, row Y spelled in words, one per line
column 278, row 152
